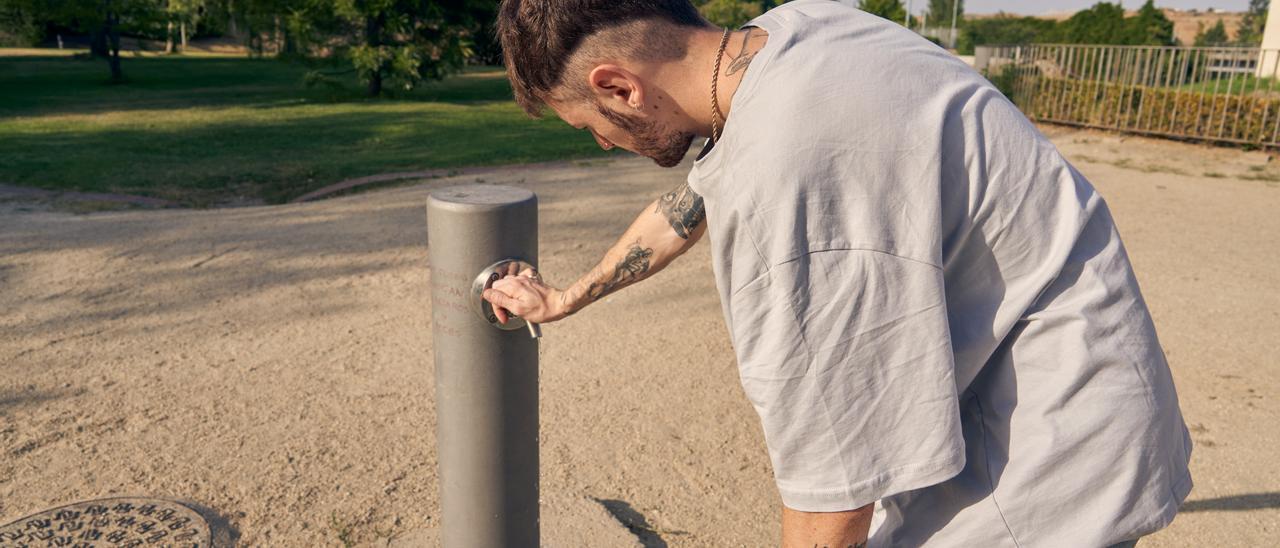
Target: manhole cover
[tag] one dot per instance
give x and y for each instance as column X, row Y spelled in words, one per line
column 122, row 522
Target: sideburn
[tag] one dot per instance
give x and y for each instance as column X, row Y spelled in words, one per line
column 665, row 148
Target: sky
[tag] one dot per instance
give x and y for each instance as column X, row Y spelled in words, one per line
column 1036, row 7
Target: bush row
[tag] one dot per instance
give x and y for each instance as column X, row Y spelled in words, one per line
column 1250, row 117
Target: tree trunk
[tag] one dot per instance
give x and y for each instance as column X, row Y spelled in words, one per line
column 182, row 27
column 232, row 30
column 373, row 25
column 375, row 83
column 113, row 35
column 288, row 44
column 98, row 42
column 168, row 37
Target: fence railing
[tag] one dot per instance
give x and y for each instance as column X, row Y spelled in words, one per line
column 1225, row 95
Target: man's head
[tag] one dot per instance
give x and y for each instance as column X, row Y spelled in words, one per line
column 599, row 64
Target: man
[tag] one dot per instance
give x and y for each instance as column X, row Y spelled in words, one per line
column 930, row 307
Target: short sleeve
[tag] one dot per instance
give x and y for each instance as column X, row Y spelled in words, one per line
column 846, row 356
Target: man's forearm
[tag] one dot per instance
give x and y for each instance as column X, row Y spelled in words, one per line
column 668, row 227
column 826, row 529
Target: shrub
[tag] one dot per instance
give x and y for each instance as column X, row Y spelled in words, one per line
column 1246, row 117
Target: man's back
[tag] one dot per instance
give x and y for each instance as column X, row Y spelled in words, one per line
column 917, row 283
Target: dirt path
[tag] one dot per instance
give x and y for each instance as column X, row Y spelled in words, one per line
column 272, row 363
column 11, row 193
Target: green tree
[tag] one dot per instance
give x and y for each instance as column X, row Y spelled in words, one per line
column 22, row 22
column 387, row 42
column 1101, row 24
column 1251, row 27
column 940, row 12
column 179, row 15
column 486, row 49
column 104, row 21
column 1214, row 36
column 279, row 25
column 397, row 43
column 405, row 41
column 888, row 9
column 730, row 13
column 1150, row 27
column 1004, row 29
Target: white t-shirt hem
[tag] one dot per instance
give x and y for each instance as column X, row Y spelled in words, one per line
column 898, row 480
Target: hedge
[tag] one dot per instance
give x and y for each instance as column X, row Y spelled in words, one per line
column 1248, row 118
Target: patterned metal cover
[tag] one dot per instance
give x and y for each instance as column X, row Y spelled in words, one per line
column 123, row 522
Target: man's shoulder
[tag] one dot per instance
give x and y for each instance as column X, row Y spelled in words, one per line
column 815, row 9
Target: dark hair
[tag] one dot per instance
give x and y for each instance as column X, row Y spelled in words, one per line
column 540, row 36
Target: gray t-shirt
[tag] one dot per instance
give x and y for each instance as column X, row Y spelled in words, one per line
column 930, row 307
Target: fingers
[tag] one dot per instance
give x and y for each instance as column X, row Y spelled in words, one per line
column 502, row 303
column 512, row 285
column 519, row 295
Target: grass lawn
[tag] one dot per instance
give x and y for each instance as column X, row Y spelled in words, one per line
column 210, row 130
column 1242, row 83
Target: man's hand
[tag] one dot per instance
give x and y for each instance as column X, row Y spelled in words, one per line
column 524, row 295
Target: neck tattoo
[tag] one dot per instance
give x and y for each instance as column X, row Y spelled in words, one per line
column 743, row 58
column 717, row 117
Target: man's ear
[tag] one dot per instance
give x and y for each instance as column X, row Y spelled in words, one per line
column 616, row 86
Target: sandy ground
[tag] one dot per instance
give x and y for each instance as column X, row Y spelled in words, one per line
column 273, row 363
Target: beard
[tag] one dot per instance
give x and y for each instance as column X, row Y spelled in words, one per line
column 664, row 146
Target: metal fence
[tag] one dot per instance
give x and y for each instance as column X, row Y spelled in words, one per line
column 1224, row 95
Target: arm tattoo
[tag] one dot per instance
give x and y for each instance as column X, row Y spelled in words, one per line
column 683, row 209
column 564, row 303
column 742, row 59
column 628, row 270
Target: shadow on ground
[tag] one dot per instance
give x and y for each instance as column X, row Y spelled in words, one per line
column 635, row 522
column 1235, row 503
column 223, row 533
